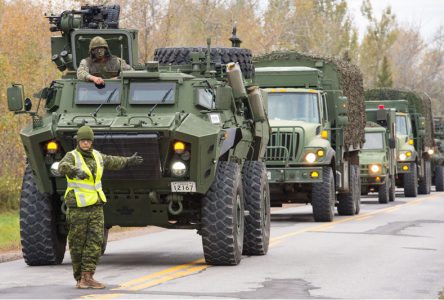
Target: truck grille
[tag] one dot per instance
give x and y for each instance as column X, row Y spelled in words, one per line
column 146, row 145
column 282, row 146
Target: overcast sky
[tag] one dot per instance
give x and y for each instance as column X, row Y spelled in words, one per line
column 428, row 14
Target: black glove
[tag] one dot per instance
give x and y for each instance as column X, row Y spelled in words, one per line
column 80, row 174
column 134, row 160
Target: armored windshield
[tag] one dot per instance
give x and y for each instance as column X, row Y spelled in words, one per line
column 88, row 93
column 374, row 141
column 293, row 107
column 152, row 92
column 401, row 125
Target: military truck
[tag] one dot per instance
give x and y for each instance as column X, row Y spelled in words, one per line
column 414, row 130
column 316, row 111
column 378, row 155
column 438, row 156
column 201, row 131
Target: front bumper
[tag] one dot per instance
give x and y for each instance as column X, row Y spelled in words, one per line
column 401, row 167
column 294, row 175
column 372, row 179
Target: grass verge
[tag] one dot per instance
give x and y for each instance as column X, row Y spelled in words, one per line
column 9, row 231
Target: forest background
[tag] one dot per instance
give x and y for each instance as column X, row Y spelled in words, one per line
column 389, row 54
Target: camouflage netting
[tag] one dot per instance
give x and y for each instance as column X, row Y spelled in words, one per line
column 372, row 124
column 350, row 81
column 419, row 102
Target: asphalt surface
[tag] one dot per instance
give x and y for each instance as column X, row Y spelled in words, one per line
column 391, row 250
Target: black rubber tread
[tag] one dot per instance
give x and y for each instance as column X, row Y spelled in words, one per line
column 324, row 197
column 222, row 236
column 392, row 189
column 41, row 244
column 384, row 191
column 219, row 56
column 425, row 183
column 349, row 203
column 411, row 182
column 439, row 178
column 105, row 239
column 257, row 203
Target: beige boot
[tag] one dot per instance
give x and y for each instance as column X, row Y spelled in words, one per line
column 78, row 284
column 87, row 282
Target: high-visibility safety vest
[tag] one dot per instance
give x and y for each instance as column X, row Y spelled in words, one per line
column 87, row 191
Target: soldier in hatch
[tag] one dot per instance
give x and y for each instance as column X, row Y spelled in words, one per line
column 101, row 64
column 83, row 168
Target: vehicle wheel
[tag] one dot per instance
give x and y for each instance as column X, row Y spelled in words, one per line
column 41, row 242
column 257, row 202
column 384, row 191
column 439, row 178
column 392, row 189
column 182, row 56
column 411, row 182
column 223, row 217
column 425, row 184
column 349, row 203
column 105, row 239
column 324, row 197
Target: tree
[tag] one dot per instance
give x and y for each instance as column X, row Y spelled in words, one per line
column 385, row 75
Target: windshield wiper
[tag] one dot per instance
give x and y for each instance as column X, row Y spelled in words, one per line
column 162, row 101
column 94, row 114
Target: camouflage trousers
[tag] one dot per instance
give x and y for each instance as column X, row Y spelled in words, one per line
column 85, row 237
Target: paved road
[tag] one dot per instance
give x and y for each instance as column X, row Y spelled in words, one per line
column 388, row 251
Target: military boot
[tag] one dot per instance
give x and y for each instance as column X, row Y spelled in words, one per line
column 87, row 282
column 78, row 284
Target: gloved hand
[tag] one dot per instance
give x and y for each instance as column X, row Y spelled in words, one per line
column 134, row 160
column 81, row 174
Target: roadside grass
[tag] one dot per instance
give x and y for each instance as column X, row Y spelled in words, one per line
column 9, row 231
column 10, row 188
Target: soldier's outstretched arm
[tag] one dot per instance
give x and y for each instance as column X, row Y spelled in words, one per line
column 111, row 162
column 67, row 166
column 83, row 71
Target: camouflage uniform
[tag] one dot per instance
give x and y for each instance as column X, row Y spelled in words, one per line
column 86, row 224
column 108, row 69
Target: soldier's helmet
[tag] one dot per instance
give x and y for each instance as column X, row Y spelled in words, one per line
column 85, row 133
column 97, row 42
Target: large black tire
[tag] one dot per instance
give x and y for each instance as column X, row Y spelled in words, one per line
column 384, row 191
column 349, row 203
column 324, row 197
column 392, row 189
column 439, row 178
column 219, row 56
column 223, row 217
column 105, row 239
column 411, row 182
column 425, row 183
column 257, row 203
column 41, row 242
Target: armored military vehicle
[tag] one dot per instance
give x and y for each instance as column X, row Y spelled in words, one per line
column 378, row 155
column 414, row 137
column 316, row 111
column 438, row 156
column 202, row 138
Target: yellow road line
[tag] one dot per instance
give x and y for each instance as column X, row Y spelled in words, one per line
column 101, row 296
column 136, row 281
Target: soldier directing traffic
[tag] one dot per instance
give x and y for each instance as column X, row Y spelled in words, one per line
column 101, row 64
column 83, row 168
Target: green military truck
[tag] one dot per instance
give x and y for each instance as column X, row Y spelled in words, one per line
column 316, row 111
column 378, row 155
column 414, row 131
column 438, row 156
column 202, row 138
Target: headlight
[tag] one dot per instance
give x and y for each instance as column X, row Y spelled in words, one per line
column 178, row 169
column 52, row 147
column 430, row 151
column 179, row 147
column 402, row 156
column 375, row 168
column 310, row 158
column 408, row 153
column 55, row 169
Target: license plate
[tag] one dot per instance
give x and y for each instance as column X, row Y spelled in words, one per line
column 183, row 186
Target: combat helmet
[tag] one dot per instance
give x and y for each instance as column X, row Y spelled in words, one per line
column 96, row 42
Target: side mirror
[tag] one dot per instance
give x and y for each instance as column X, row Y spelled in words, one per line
column 421, row 123
column 15, row 94
column 28, row 104
column 392, row 143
